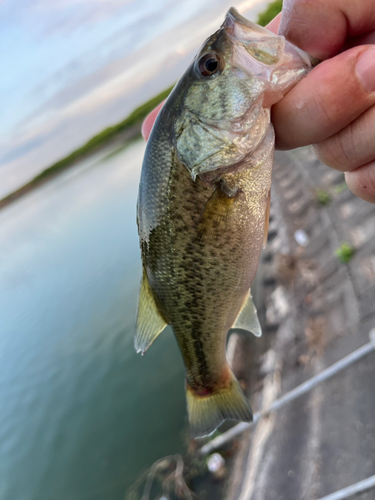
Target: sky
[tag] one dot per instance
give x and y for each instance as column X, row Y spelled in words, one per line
column 70, row 68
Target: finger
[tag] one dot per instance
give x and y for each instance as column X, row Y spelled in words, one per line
column 320, row 27
column 274, row 24
column 149, row 121
column 150, row 118
column 362, row 182
column 367, row 39
column 328, row 99
column 351, row 147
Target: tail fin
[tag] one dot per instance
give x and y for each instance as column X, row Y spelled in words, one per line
column 206, row 413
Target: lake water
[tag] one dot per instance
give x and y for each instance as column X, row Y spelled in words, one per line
column 81, row 414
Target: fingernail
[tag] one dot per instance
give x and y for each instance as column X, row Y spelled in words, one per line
column 365, row 69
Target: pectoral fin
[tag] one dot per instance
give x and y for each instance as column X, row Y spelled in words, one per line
column 217, row 212
column 248, row 318
column 150, row 322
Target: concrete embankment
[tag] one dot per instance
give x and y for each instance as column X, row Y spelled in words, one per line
column 315, row 310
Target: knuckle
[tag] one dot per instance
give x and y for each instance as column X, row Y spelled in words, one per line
column 296, row 17
column 352, row 147
column 336, row 152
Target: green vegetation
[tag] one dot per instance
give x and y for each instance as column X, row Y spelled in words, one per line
column 344, row 253
column 341, row 187
column 270, row 12
column 135, row 118
column 322, row 197
column 131, row 125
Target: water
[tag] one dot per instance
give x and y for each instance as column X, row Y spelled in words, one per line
column 81, row 414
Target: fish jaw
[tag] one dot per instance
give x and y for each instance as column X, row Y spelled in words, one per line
column 273, row 58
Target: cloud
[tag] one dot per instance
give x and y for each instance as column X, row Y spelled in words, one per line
column 62, row 4
column 105, row 93
column 48, row 18
column 75, row 114
column 95, row 71
column 67, row 16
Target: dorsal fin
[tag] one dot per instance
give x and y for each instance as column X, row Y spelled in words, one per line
column 150, row 322
column 248, row 318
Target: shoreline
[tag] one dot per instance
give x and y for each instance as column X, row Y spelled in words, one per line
column 124, row 138
column 125, row 131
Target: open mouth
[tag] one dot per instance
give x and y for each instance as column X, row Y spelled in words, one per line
column 241, row 28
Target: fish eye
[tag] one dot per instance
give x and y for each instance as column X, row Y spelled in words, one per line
column 209, row 64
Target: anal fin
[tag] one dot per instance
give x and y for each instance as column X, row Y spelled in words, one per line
column 248, row 318
column 150, row 322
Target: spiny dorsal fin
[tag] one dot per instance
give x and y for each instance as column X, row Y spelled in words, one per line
column 248, row 318
column 149, row 320
column 267, row 220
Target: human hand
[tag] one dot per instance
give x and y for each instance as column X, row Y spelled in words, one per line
column 334, row 106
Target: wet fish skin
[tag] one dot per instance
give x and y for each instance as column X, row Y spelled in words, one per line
column 203, row 196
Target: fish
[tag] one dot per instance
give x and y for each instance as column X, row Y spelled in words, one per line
column 203, row 208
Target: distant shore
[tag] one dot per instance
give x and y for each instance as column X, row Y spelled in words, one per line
column 123, row 132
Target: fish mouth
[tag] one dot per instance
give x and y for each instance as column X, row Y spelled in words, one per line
column 241, row 29
column 255, row 50
column 234, row 17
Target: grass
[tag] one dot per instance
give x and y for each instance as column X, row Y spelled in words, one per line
column 322, row 197
column 106, row 135
column 270, row 12
column 340, row 188
column 131, row 124
column 344, row 253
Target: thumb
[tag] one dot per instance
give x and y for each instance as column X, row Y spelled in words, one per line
column 328, row 99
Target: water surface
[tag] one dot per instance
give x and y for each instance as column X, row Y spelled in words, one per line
column 81, row 414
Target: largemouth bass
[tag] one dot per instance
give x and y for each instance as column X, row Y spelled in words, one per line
column 203, row 207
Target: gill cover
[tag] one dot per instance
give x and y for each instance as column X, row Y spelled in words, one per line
column 227, row 112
